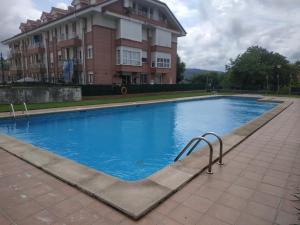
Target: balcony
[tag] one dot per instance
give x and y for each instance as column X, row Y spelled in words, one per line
column 38, row 67
column 160, row 70
column 70, row 40
column 77, row 65
column 35, row 48
column 14, row 53
column 15, row 69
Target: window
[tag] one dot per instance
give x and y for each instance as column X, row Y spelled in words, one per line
column 129, row 56
column 143, row 79
column 162, row 17
column 153, row 64
column 163, row 63
column 142, row 11
column 158, row 79
column 151, row 13
column 59, row 56
column 91, row 77
column 51, row 57
column 89, row 52
column 144, row 57
column 80, row 56
column 118, row 57
column 74, row 27
column 67, row 32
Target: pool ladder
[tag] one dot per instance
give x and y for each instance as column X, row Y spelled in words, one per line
column 194, row 143
column 13, row 112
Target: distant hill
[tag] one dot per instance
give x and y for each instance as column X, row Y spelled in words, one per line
column 189, row 72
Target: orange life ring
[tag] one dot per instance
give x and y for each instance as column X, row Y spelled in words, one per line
column 124, row 90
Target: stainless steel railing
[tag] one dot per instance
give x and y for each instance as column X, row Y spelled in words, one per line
column 12, row 110
column 25, row 111
column 194, row 143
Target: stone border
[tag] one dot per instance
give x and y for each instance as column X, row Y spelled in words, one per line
column 135, row 199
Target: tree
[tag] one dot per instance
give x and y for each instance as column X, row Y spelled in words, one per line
column 258, row 68
column 208, row 80
column 295, row 72
column 180, row 68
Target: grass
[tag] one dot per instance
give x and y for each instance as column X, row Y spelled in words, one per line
column 100, row 100
column 105, row 100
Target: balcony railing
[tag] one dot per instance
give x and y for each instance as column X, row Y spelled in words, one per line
column 36, row 45
column 13, row 52
column 15, row 67
column 75, row 61
column 64, row 37
column 37, row 66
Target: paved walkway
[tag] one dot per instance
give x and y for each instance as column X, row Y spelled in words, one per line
column 255, row 187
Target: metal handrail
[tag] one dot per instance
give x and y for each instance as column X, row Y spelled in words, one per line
column 12, row 110
column 25, row 111
column 221, row 146
column 198, row 139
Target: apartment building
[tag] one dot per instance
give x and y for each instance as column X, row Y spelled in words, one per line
column 98, row 42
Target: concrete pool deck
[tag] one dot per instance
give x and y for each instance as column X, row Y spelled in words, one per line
column 196, row 203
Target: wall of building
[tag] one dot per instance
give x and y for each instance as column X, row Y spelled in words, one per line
column 103, row 33
column 39, row 94
column 104, row 56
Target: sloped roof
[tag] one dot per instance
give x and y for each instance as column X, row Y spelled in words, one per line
column 65, row 13
column 79, row 1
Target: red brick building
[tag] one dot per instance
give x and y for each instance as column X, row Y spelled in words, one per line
column 99, row 42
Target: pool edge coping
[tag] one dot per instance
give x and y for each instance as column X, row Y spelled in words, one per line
column 136, row 199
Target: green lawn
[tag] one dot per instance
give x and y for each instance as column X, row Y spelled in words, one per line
column 105, row 100
column 115, row 99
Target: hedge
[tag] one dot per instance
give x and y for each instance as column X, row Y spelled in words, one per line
column 295, row 90
column 97, row 90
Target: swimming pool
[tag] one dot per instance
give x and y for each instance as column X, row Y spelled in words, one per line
column 133, row 142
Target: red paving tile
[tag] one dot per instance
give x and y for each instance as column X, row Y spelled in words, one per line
column 254, row 187
column 224, row 213
column 185, row 215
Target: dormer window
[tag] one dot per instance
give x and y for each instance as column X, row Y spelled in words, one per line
column 142, row 11
column 162, row 17
column 151, row 13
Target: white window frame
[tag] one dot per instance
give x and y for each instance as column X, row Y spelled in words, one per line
column 89, row 52
column 128, row 56
column 163, row 63
column 161, row 60
column 91, row 78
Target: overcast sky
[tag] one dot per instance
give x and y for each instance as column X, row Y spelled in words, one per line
column 217, row 29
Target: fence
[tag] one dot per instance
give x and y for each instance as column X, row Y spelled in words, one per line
column 98, row 90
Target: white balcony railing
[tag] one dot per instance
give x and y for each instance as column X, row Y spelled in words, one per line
column 64, row 37
column 37, row 65
column 75, row 61
column 15, row 67
column 36, row 45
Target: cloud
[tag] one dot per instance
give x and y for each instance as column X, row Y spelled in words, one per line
column 61, row 5
column 13, row 12
column 217, row 29
column 221, row 29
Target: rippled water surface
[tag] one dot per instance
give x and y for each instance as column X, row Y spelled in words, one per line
column 133, row 142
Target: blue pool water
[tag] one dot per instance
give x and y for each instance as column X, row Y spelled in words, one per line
column 133, row 142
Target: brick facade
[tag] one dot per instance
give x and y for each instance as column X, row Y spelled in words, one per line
column 90, row 44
